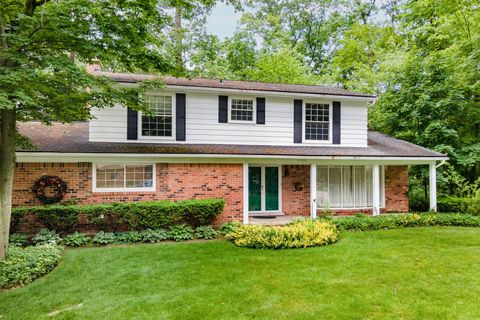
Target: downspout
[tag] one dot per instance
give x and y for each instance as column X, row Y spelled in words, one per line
column 442, row 162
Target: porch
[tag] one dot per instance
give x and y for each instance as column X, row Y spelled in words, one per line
column 276, row 193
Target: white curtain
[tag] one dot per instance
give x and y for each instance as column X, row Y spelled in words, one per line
column 346, row 187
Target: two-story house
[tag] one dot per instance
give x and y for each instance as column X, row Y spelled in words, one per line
column 267, row 149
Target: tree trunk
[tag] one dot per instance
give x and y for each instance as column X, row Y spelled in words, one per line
column 178, row 35
column 7, row 166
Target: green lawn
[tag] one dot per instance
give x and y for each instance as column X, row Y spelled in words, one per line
column 406, row 273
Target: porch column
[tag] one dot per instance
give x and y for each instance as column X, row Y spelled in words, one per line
column 376, row 189
column 245, row 193
column 433, row 186
column 313, row 191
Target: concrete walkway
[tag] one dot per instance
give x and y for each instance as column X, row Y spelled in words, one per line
column 271, row 221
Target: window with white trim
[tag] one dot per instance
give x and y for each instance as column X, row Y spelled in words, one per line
column 159, row 124
column 242, row 110
column 124, row 177
column 317, row 121
column 347, row 187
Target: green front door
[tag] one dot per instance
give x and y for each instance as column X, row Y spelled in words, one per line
column 263, row 186
column 271, row 188
column 254, row 188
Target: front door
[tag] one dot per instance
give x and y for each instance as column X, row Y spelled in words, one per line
column 263, row 189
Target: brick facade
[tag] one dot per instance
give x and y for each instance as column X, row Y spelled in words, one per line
column 188, row 181
column 173, row 182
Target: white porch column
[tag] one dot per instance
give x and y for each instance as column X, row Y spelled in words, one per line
column 433, row 186
column 313, row 191
column 245, row 193
column 376, row 189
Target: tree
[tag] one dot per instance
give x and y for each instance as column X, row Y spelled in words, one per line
column 39, row 80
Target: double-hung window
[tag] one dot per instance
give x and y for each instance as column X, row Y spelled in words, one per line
column 242, row 110
column 160, row 122
column 123, row 177
column 317, row 121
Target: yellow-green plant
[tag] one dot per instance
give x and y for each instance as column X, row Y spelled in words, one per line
column 300, row 234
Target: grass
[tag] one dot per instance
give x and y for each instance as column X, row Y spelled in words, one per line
column 412, row 273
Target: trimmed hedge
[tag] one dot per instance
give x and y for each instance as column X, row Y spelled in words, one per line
column 23, row 265
column 364, row 223
column 462, row 205
column 300, row 234
column 135, row 215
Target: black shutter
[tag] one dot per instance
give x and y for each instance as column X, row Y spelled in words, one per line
column 297, row 121
column 132, row 124
column 223, row 109
column 180, row 115
column 337, row 110
column 260, row 110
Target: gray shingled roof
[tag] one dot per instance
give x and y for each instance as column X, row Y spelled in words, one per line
column 73, row 138
column 231, row 84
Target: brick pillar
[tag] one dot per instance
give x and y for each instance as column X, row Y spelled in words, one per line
column 396, row 188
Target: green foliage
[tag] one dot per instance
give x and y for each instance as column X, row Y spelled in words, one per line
column 205, row 232
column 460, row 205
column 405, row 220
column 59, row 218
column 104, row 238
column 23, row 265
column 135, row 215
column 201, row 212
column 76, row 240
column 46, row 236
column 180, row 232
column 300, row 234
column 154, row 235
column 229, row 226
column 129, row 237
column 18, row 240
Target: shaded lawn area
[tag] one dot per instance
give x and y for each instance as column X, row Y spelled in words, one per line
column 405, row 273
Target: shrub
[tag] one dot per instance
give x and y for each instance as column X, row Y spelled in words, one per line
column 46, row 237
column 104, row 238
column 155, row 235
column 18, row 240
column 228, row 227
column 296, row 235
column 460, row 205
column 205, row 232
column 23, row 265
column 180, row 232
column 200, row 213
column 405, row 220
column 129, row 237
column 136, row 215
column 76, row 240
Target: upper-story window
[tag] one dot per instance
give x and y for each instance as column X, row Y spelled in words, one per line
column 317, row 121
column 160, row 123
column 242, row 110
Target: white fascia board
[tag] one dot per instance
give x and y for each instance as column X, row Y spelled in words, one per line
column 218, row 158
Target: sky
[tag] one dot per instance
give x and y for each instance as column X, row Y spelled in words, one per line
column 223, row 21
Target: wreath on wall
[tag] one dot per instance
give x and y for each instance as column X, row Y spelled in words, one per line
column 59, row 189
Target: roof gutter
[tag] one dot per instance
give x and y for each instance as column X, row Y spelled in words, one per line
column 89, row 157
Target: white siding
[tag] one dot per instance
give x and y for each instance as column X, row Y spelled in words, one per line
column 354, row 124
column 109, row 124
column 202, row 124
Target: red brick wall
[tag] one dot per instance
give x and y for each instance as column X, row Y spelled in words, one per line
column 296, row 202
column 396, row 188
column 174, row 181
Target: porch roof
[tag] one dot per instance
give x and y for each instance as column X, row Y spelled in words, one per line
column 73, row 138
